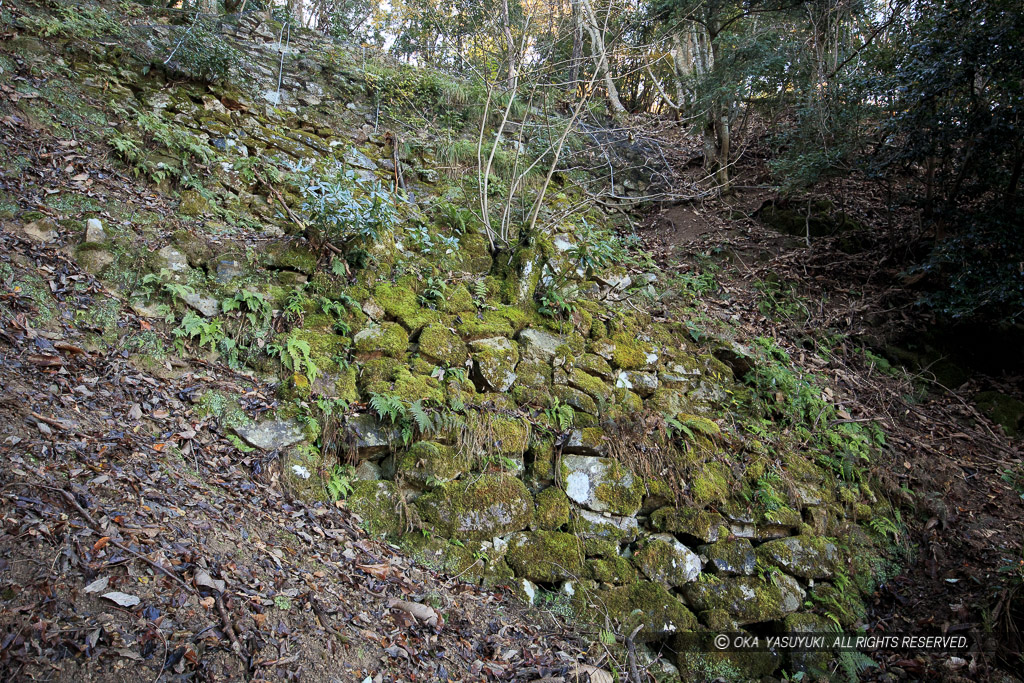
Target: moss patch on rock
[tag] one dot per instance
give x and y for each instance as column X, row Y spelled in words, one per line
column 485, row 506
column 546, row 556
column 552, row 509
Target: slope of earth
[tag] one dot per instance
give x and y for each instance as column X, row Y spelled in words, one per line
column 246, row 295
column 138, row 545
column 837, row 302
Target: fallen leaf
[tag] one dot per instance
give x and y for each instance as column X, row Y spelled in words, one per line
column 101, row 544
column 206, row 581
column 122, row 599
column 97, row 585
column 585, row 672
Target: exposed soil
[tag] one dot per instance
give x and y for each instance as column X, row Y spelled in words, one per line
column 945, row 465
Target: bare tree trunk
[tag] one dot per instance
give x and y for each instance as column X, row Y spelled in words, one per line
column 601, row 58
column 506, row 29
column 577, row 43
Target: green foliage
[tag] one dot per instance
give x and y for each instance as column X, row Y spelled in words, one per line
column 179, row 149
column 200, row 53
column 388, row 407
column 193, row 326
column 339, row 483
column 344, row 209
column 295, row 356
column 594, row 249
column 254, row 305
column 560, row 415
column 779, row 300
column 75, row 20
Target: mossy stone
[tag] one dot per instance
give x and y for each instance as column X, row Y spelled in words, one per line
column 629, row 352
column 388, row 339
column 615, row 529
column 456, row 299
column 290, row 255
column 495, row 361
column 595, row 365
column 644, row 603
column 511, row 435
column 709, row 483
column 601, row 484
column 665, row 560
column 575, row 398
column 488, row 505
column 487, row 324
column 412, row 387
column 380, row 505
column 399, row 302
column 615, row 570
column 806, row 556
column 552, row 509
column 429, row 464
column 600, row 391
column 731, row 556
column 545, row 556
column 747, row 598
column 700, row 524
column 475, row 253
column 1006, row 411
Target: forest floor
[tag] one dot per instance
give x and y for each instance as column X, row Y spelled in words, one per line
column 118, row 492
column 955, row 475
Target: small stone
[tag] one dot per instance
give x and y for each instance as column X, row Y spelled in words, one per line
column 94, row 231
column 271, row 435
column 228, row 270
column 806, row 556
column 373, row 310
column 172, row 259
column 371, row 436
column 731, row 557
column 41, row 231
column 495, row 360
column 205, row 305
column 355, row 158
column 367, row 471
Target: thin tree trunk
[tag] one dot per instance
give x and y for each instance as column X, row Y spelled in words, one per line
column 597, row 46
column 577, row 43
column 506, row 29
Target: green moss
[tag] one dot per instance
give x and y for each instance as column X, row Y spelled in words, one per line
column 345, row 385
column 486, row 324
column 511, row 435
column 592, row 386
column 595, row 365
column 193, row 204
column 545, row 556
column 614, row 492
column 324, row 347
column 487, row 505
column 410, row 387
column 577, row 399
column 615, row 570
column 646, row 603
column 542, row 453
column 629, row 353
column 430, row 464
column 399, row 302
column 389, row 339
column 442, row 556
column 290, row 255
column 707, row 526
column 475, row 253
column 222, row 406
column 552, row 508
column 710, row 484
column 379, row 504
column 456, row 299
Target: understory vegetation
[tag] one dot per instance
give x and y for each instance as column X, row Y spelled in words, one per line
column 553, row 297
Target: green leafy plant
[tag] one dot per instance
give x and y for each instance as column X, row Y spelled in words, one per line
column 193, row 326
column 339, row 483
column 294, row 354
column 346, row 210
column 560, row 415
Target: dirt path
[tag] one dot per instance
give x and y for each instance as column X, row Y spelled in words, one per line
column 956, row 477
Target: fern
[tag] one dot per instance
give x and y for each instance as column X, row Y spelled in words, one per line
column 422, row 419
column 339, row 484
column 388, row 407
column 295, row 356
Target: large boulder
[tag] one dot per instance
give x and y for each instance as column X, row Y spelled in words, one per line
column 495, row 361
column 546, row 556
column 700, row 524
column 428, row 464
column 747, row 599
column 664, row 559
column 488, row 505
column 806, row 556
column 731, row 556
column 601, row 485
column 442, row 345
column 270, row 435
column 644, row 603
column 539, row 345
